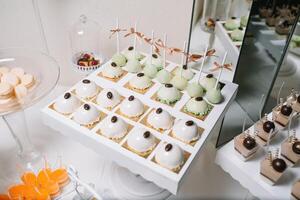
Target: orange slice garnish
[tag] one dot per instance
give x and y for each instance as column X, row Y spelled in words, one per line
column 4, row 197
column 16, row 191
column 45, row 182
column 29, row 178
column 60, row 176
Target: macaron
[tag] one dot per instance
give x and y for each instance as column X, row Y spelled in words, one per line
column 4, row 70
column 10, row 78
column 27, row 80
column 18, row 71
column 6, row 91
column 20, row 91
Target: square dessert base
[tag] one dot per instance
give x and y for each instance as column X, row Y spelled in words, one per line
column 118, row 140
column 296, row 107
column 287, row 153
column 127, row 85
column 144, row 121
column 110, row 108
column 243, row 153
column 281, row 119
column 262, row 136
column 136, row 119
column 241, row 157
column 144, row 154
column 113, row 79
column 99, row 89
column 192, row 143
column 267, row 180
column 269, row 174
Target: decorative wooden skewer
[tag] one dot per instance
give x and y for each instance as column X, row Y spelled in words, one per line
column 202, row 63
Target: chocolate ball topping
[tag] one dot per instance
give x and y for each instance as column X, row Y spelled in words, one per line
column 159, row 110
column 249, row 143
column 67, row 95
column 109, row 95
column 154, row 56
column 279, row 165
column 131, row 98
column 146, row 134
column 233, row 17
column 168, row 147
column 189, row 123
column 140, row 74
column 296, row 147
column 199, row 99
column 86, row 81
column 184, row 67
column 209, row 75
column 86, row 106
column 130, row 48
column 241, row 28
column 168, row 85
column 113, row 64
column 298, row 99
column 286, row 110
column 114, row 119
column 268, row 125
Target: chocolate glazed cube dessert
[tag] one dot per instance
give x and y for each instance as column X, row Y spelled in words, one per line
column 290, row 149
column 295, row 194
column 282, row 113
column 245, row 145
column 264, row 128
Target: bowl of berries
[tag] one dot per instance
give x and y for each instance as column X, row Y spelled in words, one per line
column 86, row 61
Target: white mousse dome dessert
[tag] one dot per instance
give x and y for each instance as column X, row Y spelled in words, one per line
column 185, row 72
column 119, row 59
column 179, row 82
column 66, row 104
column 163, row 76
column 133, row 66
column 130, row 54
column 160, row 119
column 108, row 98
column 141, row 141
column 195, row 90
column 112, row 71
column 86, row 89
column 114, row 128
column 170, row 156
column 208, row 82
column 132, row 107
column 186, row 131
column 140, row 82
column 197, row 106
column 87, row 115
column 168, row 94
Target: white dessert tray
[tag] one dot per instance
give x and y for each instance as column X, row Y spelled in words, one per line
column 248, row 173
column 116, row 152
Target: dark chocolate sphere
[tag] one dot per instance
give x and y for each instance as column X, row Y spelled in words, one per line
column 279, row 164
column 296, row 147
column 286, row 110
column 268, row 125
column 249, row 143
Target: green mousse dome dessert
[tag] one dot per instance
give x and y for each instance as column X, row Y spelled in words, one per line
column 244, row 21
column 150, row 70
column 197, row 106
column 237, row 35
column 231, row 25
column 214, row 96
column 179, row 82
column 208, row 82
column 156, row 61
column 119, row 59
column 195, row 90
column 133, row 66
column 130, row 54
column 163, row 76
column 185, row 72
column 168, row 94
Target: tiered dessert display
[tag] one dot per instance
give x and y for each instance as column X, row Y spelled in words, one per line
column 147, row 114
column 273, row 153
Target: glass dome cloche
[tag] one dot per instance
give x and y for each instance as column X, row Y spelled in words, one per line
column 85, row 44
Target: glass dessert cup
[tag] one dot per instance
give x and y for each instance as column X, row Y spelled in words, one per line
column 46, row 74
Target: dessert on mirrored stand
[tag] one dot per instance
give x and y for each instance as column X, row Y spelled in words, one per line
column 186, row 131
column 272, row 167
column 295, row 193
column 86, row 89
column 245, row 145
column 108, row 98
column 290, row 149
column 170, row 156
column 282, row 113
column 141, row 142
column 265, row 129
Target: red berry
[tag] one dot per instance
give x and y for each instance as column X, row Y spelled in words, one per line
column 86, row 56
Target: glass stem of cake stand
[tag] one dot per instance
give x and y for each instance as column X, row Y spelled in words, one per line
column 16, row 123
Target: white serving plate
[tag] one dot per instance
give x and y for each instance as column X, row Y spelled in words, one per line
column 116, row 152
column 247, row 173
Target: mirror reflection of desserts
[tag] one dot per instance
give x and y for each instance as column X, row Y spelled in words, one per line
column 66, row 104
column 15, row 84
column 282, row 113
column 290, row 149
column 160, row 119
column 86, row 89
column 168, row 94
column 272, row 167
column 87, row 115
column 140, row 82
column 141, row 142
column 170, row 156
column 112, row 71
column 264, row 127
column 295, row 193
column 114, row 128
column 186, row 131
column 108, row 98
column 198, row 107
column 132, row 108
column 245, row 145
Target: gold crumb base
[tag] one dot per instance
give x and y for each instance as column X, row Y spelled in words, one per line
column 193, row 115
column 141, row 91
column 145, row 122
column 142, row 154
column 155, row 98
column 192, row 142
column 117, row 139
column 132, row 118
column 113, row 79
column 109, row 108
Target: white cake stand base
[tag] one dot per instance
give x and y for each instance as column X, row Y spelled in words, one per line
column 119, row 183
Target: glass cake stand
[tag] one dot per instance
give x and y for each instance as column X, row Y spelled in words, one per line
column 46, row 73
